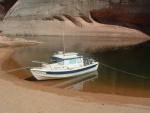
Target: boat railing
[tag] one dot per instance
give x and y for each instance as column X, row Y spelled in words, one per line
column 39, row 62
column 67, row 67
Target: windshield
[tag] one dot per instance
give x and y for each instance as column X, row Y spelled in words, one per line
column 53, row 60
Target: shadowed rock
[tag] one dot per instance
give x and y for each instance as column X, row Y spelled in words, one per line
column 76, row 22
column 58, row 18
column 85, row 18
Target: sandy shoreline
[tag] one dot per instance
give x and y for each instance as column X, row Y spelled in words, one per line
column 23, row 96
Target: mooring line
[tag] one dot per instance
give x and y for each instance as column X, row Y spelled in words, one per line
column 124, row 71
column 12, row 70
column 22, row 59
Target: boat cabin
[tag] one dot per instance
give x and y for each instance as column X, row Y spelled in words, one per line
column 67, row 59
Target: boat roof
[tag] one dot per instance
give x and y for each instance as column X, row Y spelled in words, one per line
column 69, row 55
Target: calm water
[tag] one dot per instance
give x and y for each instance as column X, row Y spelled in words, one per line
column 134, row 60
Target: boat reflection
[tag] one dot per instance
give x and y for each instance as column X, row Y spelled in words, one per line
column 77, row 83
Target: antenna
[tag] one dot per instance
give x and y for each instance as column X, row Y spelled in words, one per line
column 63, row 37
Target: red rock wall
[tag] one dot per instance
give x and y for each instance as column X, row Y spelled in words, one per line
column 132, row 16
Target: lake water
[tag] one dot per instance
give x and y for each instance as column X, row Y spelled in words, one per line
column 133, row 80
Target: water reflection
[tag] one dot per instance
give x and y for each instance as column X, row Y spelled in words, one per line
column 77, row 83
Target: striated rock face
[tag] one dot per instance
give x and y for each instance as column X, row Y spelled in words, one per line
column 51, row 9
column 46, row 17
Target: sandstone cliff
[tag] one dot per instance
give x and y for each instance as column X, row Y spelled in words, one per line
column 81, row 17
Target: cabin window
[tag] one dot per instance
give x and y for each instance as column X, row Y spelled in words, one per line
column 67, row 62
column 78, row 60
column 60, row 61
column 72, row 61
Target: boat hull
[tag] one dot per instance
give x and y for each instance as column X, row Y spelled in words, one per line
column 41, row 74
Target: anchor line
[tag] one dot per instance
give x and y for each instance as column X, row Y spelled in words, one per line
column 22, row 59
column 124, row 71
column 12, row 70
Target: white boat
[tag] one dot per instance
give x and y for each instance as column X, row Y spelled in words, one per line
column 64, row 65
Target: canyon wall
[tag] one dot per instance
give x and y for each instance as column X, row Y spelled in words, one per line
column 77, row 17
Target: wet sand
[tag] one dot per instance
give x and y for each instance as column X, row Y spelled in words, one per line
column 20, row 96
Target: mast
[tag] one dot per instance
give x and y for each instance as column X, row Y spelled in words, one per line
column 63, row 38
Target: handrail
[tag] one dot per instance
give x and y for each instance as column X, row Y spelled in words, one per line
column 39, row 62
